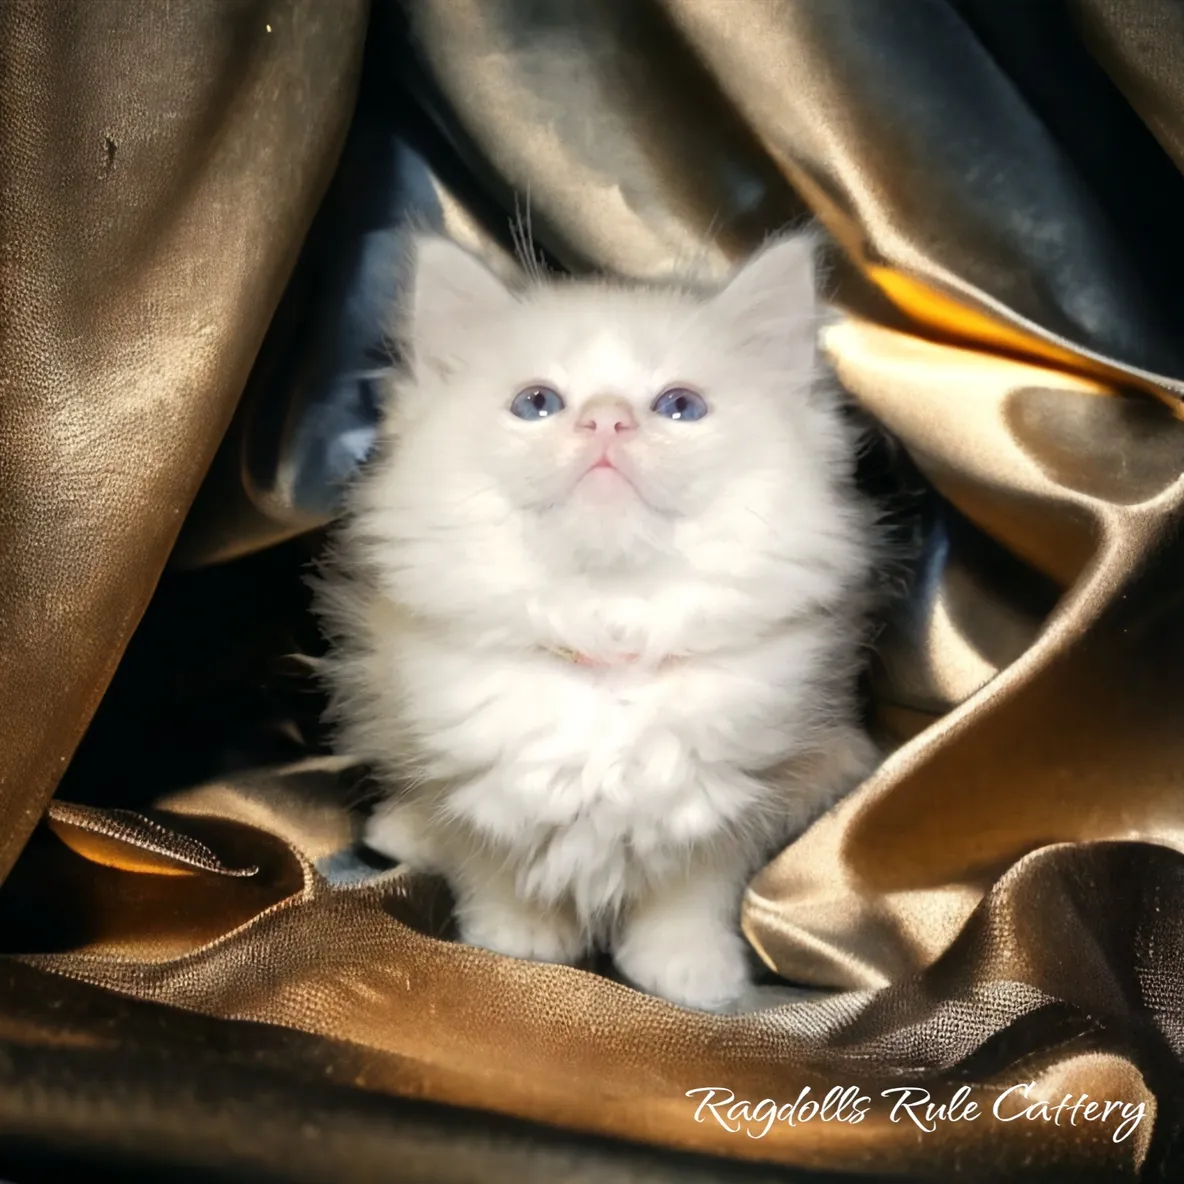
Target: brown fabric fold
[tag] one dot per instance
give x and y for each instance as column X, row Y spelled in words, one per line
column 623, row 151
column 366, row 964
column 158, row 179
column 1075, row 740
column 916, row 150
column 1139, row 44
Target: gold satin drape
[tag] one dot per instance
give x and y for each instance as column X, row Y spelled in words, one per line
column 1002, row 902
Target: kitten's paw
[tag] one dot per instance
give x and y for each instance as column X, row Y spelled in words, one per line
column 521, row 932
column 400, row 831
column 704, row 968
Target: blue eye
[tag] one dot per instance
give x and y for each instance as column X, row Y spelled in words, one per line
column 677, row 402
column 536, row 402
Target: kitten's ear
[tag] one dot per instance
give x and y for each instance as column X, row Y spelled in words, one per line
column 450, row 289
column 773, row 296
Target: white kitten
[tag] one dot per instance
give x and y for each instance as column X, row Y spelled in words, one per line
column 598, row 608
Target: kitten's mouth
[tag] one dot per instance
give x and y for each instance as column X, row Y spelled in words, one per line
column 604, row 468
column 605, row 485
column 609, row 478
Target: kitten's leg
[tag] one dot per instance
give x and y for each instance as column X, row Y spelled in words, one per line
column 848, row 757
column 489, row 911
column 682, row 940
column 843, row 758
column 491, row 914
column 401, row 829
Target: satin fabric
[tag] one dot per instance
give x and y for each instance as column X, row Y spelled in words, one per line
column 148, row 224
column 365, row 963
column 1000, row 902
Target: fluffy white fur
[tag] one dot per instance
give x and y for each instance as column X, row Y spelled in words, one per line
column 719, row 573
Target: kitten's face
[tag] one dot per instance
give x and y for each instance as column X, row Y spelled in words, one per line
column 611, row 425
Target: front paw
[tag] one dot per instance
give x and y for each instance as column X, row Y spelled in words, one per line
column 521, row 932
column 401, row 832
column 705, row 969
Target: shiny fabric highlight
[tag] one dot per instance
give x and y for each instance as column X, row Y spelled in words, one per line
column 364, row 963
column 148, row 232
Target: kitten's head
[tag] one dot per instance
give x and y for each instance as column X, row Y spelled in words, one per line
column 613, row 427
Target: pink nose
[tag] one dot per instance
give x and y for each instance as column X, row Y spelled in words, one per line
column 606, row 417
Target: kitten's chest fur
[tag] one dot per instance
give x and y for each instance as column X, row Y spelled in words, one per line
column 592, row 778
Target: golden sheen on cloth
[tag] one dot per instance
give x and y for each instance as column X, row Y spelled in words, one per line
column 1000, row 908
column 149, row 218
